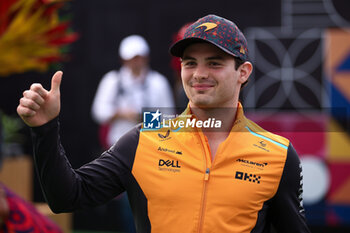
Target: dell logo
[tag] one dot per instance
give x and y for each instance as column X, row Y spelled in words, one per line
column 169, row 163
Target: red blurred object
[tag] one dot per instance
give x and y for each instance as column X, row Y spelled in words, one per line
column 4, row 14
column 66, row 39
column 175, row 62
column 23, row 217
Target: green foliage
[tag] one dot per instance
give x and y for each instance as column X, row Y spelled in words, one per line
column 11, row 127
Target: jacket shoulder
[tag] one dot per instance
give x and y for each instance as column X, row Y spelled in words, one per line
column 258, row 131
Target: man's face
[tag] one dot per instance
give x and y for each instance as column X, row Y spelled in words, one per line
column 209, row 76
column 137, row 63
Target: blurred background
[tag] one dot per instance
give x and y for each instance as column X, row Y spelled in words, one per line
column 300, row 87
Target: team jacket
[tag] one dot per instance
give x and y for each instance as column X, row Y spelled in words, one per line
column 173, row 185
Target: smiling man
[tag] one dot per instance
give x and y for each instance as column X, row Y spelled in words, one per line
column 238, row 178
column 210, row 78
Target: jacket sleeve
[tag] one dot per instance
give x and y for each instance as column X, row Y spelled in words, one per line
column 97, row 182
column 287, row 211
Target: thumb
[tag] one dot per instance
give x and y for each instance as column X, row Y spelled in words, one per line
column 56, row 81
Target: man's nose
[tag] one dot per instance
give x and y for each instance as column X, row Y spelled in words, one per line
column 201, row 72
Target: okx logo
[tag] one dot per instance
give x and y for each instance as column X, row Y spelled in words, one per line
column 152, row 120
column 247, row 177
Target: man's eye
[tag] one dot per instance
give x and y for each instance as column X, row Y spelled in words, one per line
column 189, row 63
column 214, row 64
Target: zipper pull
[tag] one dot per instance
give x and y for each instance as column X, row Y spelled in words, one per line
column 206, row 176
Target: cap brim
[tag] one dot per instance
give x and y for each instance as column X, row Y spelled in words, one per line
column 178, row 48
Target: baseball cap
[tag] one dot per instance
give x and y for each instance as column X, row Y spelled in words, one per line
column 216, row 30
column 132, row 46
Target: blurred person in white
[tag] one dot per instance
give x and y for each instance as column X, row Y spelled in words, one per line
column 123, row 93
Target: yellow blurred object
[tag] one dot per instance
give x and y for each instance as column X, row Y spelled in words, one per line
column 17, row 174
column 33, row 36
column 339, row 143
column 64, row 220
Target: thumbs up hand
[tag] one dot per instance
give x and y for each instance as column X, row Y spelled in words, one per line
column 38, row 106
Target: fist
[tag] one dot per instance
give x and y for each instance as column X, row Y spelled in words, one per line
column 38, row 106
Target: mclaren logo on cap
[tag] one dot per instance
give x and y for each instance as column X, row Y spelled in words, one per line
column 208, row 26
column 242, row 50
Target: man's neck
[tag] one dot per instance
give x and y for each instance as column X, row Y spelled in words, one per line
column 227, row 117
column 136, row 72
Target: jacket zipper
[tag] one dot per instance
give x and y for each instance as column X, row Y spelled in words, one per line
column 204, row 197
column 205, row 180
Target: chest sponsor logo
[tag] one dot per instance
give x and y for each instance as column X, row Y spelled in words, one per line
column 252, row 164
column 247, row 177
column 165, row 136
column 169, row 165
column 261, row 145
column 170, row 150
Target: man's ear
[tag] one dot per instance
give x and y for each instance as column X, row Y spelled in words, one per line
column 245, row 70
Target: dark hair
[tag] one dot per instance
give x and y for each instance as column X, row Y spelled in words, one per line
column 238, row 63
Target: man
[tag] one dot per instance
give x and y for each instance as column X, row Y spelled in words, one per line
column 238, row 178
column 122, row 94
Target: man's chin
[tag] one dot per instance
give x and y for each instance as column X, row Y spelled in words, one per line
column 203, row 103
